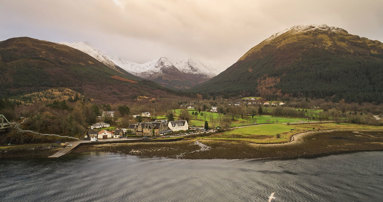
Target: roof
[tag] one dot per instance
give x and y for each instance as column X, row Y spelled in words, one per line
column 132, row 126
column 178, row 123
column 92, row 132
column 100, row 123
column 102, row 131
column 152, row 125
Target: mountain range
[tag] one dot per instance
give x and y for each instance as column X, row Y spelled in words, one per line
column 170, row 73
column 303, row 61
column 28, row 65
column 306, row 61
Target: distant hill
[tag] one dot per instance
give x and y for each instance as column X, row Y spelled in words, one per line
column 28, row 65
column 173, row 74
column 306, row 61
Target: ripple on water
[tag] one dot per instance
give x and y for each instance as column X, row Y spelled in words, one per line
column 111, row 177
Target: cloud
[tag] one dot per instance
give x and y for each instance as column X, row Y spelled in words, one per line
column 217, row 32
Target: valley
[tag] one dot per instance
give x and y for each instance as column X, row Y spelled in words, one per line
column 272, row 103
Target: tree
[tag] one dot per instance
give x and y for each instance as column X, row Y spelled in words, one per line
column 96, row 110
column 206, row 125
column 225, row 122
column 107, row 107
column 260, row 110
column 185, row 115
column 139, row 119
column 124, row 110
column 170, row 117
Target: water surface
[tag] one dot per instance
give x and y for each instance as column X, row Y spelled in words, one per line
column 113, row 177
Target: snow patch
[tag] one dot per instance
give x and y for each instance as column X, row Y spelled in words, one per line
column 96, row 54
column 156, row 66
column 307, row 28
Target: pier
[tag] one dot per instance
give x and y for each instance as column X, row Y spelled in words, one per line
column 72, row 145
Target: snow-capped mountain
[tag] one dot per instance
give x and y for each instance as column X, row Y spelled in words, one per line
column 307, row 28
column 189, row 66
column 96, row 54
column 179, row 74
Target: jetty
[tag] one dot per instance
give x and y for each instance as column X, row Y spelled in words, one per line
column 72, row 145
column 66, row 149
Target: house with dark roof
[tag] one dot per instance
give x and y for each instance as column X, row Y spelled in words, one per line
column 151, row 128
column 118, row 133
column 180, row 125
column 92, row 134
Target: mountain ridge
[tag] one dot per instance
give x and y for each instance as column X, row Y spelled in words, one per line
column 306, row 61
column 174, row 74
column 31, row 65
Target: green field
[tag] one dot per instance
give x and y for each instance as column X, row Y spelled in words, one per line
column 268, row 133
column 199, row 120
column 258, row 133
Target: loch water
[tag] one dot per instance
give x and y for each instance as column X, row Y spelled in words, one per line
column 115, row 177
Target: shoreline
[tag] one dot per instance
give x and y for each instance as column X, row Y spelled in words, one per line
column 310, row 144
column 305, row 145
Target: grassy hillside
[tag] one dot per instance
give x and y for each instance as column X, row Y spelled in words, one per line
column 317, row 63
column 28, row 65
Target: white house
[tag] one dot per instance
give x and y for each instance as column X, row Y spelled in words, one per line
column 214, row 109
column 99, row 125
column 108, row 114
column 104, row 134
column 93, row 138
column 145, row 114
column 181, row 125
column 92, row 135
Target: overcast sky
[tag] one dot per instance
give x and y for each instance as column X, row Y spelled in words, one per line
column 216, row 32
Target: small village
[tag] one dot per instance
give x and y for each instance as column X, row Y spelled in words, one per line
column 102, row 130
column 148, row 126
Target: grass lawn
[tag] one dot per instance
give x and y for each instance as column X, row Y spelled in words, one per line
column 258, row 133
column 261, row 119
column 199, row 120
column 267, row 133
column 162, row 117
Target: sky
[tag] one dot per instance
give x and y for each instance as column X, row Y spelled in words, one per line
column 215, row 32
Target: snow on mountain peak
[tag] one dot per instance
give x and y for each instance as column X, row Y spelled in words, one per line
column 154, row 66
column 307, row 28
column 96, row 54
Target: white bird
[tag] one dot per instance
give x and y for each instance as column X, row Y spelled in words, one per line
column 271, row 197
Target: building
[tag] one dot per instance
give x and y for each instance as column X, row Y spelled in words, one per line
column 214, row 109
column 132, row 129
column 118, row 133
column 155, row 128
column 145, row 114
column 99, row 125
column 92, row 134
column 104, row 134
column 181, row 125
column 107, row 114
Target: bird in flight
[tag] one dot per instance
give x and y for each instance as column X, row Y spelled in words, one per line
column 271, row 197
